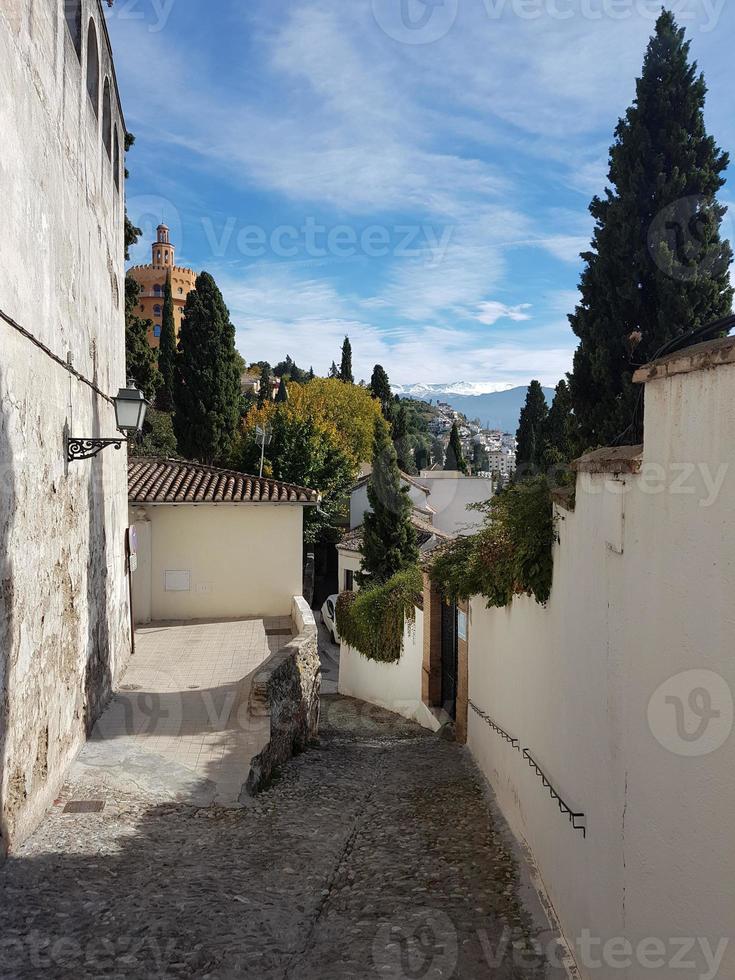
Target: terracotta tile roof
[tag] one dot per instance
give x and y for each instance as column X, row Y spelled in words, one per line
column 174, row 481
column 352, row 540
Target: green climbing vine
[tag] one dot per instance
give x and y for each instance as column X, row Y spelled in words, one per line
column 372, row 620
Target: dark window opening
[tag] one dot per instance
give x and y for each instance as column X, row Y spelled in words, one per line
column 107, row 119
column 93, row 68
column 349, row 580
column 73, row 18
column 116, row 160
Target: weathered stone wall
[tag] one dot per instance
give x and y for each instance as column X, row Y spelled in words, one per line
column 287, row 687
column 64, row 610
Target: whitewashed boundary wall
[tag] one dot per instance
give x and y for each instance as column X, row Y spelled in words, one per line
column 64, row 610
column 621, row 690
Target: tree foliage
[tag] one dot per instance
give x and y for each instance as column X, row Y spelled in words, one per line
column 373, row 619
column 345, row 369
column 512, row 553
column 140, row 358
column 658, row 266
column 558, row 432
column 454, row 457
column 531, row 429
column 157, row 438
column 380, row 389
column 207, row 379
column 389, row 539
column 167, row 351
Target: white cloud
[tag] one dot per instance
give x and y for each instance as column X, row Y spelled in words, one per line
column 491, row 311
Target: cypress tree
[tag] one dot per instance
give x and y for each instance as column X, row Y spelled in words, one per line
column 532, row 428
column 282, row 393
column 264, row 388
column 333, row 371
column 389, row 539
column 454, row 459
column 345, row 370
column 380, row 389
column 207, row 379
column 140, row 358
column 658, row 267
column 558, row 434
column 167, row 352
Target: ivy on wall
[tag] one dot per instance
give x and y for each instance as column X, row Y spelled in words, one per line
column 511, row 555
column 372, row 620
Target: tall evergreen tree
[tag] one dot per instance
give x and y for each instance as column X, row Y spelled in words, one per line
column 345, row 369
column 454, row 458
column 531, row 429
column 558, row 432
column 401, row 440
column 140, row 358
column 264, row 387
column 389, row 539
column 658, row 267
column 282, row 393
column 167, row 352
column 380, row 389
column 334, row 371
column 207, row 379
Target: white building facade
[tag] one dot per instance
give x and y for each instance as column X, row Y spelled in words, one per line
column 65, row 630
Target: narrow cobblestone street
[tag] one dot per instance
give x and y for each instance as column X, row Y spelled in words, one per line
column 374, row 854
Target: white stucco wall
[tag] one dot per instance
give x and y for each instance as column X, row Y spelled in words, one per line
column 347, row 561
column 64, row 611
column 360, row 505
column 394, row 686
column 644, row 576
column 451, row 493
column 242, row 559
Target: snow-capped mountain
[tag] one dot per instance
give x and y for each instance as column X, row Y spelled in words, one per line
column 497, row 406
column 425, row 391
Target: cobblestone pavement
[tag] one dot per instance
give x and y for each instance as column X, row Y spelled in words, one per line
column 374, row 854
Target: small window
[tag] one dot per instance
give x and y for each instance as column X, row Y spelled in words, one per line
column 116, row 159
column 157, row 310
column 157, row 331
column 181, row 291
column 107, row 119
column 93, row 68
column 142, row 308
column 349, row 580
column 157, row 289
column 73, row 17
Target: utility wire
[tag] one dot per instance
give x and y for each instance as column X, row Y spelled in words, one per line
column 54, row 357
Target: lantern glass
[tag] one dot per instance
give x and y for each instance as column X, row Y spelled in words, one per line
column 130, row 409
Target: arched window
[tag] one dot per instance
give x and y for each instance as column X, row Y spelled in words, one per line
column 116, row 158
column 156, row 331
column 107, row 119
column 93, row 68
column 157, row 289
column 73, row 17
column 156, row 310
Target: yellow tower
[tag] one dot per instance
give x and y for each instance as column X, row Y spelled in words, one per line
column 152, row 281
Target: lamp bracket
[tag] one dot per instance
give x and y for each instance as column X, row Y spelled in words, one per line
column 80, row 448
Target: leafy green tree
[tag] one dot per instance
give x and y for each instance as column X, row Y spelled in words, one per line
column 345, row 370
column 380, row 389
column 157, row 438
column 290, row 370
column 531, row 429
column 264, row 388
column 207, row 380
column 421, row 457
column 558, row 433
column 389, row 539
column 167, row 352
column 454, row 458
column 132, row 232
column 437, row 451
column 480, row 458
column 140, row 358
column 282, row 393
column 401, row 440
column 658, row 266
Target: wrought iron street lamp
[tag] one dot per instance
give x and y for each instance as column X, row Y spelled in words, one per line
column 130, row 408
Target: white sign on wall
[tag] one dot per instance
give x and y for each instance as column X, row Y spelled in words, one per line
column 461, row 625
column 177, row 581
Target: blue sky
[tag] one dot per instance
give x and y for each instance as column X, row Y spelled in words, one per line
column 413, row 173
